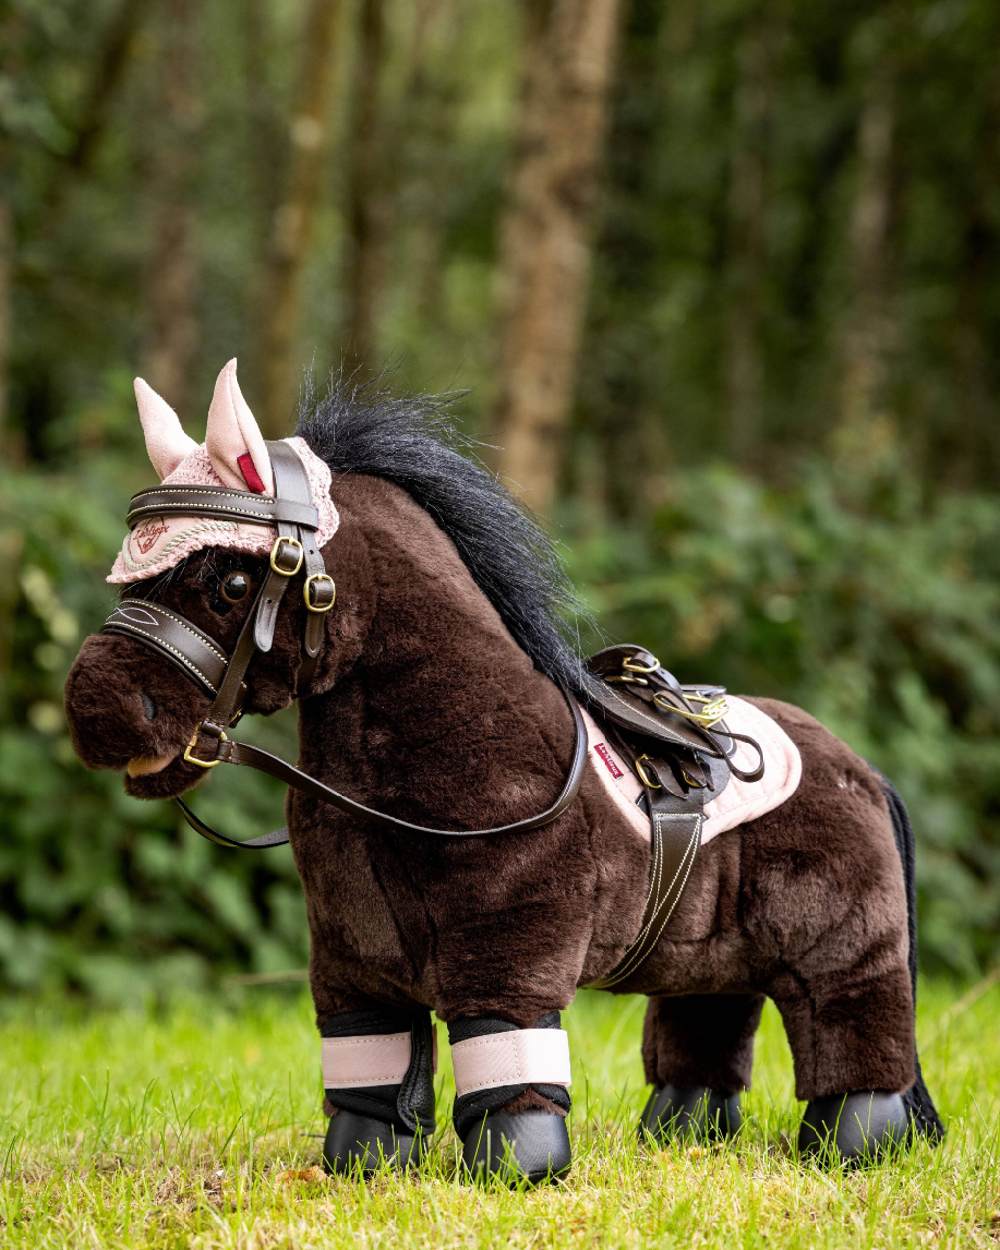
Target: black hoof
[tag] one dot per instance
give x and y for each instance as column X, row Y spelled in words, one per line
column 859, row 1128
column 359, row 1145
column 696, row 1112
column 529, row 1146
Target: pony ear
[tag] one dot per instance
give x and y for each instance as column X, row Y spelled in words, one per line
column 166, row 442
column 233, row 439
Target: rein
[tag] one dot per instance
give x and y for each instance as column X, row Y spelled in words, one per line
column 200, row 657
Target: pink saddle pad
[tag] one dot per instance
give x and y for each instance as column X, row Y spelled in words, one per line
column 740, row 801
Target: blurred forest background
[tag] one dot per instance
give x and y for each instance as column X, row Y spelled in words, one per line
column 720, row 284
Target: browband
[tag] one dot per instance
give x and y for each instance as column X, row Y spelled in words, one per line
column 232, row 505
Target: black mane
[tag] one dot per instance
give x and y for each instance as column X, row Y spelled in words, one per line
column 413, row 442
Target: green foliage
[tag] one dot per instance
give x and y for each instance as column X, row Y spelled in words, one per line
column 103, row 893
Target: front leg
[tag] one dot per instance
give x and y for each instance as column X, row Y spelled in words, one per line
column 378, row 1081
column 511, row 1097
column 504, row 974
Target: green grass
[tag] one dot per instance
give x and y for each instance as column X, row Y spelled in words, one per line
column 198, row 1126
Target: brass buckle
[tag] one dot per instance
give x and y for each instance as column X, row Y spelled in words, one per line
column 278, row 550
column 194, row 759
column 319, row 577
column 644, row 777
column 713, row 709
column 632, row 665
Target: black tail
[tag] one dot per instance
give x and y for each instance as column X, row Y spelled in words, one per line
column 923, row 1113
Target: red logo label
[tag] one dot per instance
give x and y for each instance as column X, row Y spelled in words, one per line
column 609, row 763
column 146, row 535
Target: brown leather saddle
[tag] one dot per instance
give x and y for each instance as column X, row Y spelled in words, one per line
column 674, row 736
column 676, row 740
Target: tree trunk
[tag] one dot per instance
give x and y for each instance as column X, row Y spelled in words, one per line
column 171, row 287
column 6, row 265
column 109, row 64
column 294, row 216
column 12, row 453
column 11, row 44
column 368, row 206
column 621, row 362
column 867, row 336
column 747, row 242
column 263, row 134
column 429, row 100
column 546, row 234
column 976, row 374
column 11, row 443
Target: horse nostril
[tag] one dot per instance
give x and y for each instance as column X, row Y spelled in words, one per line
column 148, row 706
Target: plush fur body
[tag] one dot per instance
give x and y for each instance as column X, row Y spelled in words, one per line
column 426, row 706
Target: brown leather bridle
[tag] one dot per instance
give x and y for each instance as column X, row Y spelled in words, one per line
column 201, row 658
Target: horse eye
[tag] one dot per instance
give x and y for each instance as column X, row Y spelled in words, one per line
column 235, row 587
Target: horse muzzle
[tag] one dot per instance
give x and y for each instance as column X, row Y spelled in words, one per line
column 127, row 711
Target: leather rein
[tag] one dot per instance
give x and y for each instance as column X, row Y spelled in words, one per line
column 294, row 554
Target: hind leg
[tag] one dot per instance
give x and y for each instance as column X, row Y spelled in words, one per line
column 697, row 1051
column 851, row 1039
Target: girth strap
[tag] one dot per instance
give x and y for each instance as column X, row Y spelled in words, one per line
column 675, row 834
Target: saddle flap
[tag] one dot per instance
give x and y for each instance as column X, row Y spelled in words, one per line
column 660, row 724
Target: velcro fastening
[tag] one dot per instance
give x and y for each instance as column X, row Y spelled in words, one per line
column 516, row 1057
column 363, row 1062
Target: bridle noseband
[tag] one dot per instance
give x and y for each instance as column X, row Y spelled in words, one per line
column 294, row 553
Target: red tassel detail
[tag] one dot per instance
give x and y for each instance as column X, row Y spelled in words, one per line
column 250, row 474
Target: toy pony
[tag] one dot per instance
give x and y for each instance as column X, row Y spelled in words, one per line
column 483, row 823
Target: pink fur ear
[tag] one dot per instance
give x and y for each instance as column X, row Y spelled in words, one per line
column 233, row 439
column 166, row 442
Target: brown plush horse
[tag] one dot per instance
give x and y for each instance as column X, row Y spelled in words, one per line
column 435, row 689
